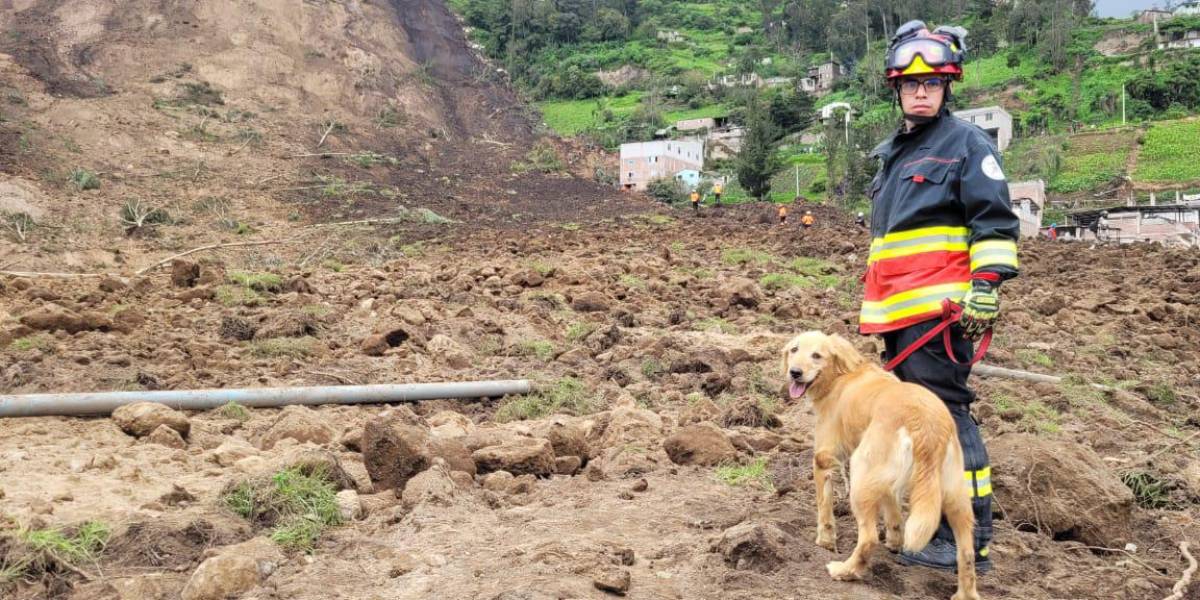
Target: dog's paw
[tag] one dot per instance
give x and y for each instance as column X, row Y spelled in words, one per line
column 842, row 571
column 965, row 596
column 894, row 541
column 827, row 542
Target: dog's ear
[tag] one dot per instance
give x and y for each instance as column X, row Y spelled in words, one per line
column 784, row 354
column 842, row 354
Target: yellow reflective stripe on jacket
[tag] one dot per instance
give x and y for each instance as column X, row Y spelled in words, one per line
column 913, row 302
column 979, row 481
column 918, row 241
column 993, row 253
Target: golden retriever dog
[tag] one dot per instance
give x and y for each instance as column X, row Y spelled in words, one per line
column 898, row 438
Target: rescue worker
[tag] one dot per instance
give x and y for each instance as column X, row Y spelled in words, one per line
column 782, row 214
column 695, row 202
column 860, row 220
column 718, row 189
column 1102, row 226
column 807, row 220
column 942, row 228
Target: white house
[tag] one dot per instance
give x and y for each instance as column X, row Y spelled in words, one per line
column 994, row 120
column 1188, row 9
column 643, row 162
column 1029, row 202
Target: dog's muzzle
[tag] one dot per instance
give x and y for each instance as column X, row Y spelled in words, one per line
column 798, row 386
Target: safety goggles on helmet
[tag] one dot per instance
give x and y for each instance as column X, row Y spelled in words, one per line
column 916, row 51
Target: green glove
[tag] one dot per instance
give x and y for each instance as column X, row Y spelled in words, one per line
column 981, row 306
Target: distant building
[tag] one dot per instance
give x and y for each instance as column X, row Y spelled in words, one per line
column 777, row 82
column 695, row 124
column 725, row 142
column 821, row 78
column 731, row 81
column 741, row 30
column 1188, row 9
column 994, row 120
column 690, row 178
column 830, row 109
column 1179, row 39
column 670, row 37
column 1154, row 15
column 643, row 162
column 1168, row 224
column 1029, row 202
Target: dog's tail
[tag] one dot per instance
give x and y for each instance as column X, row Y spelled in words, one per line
column 925, row 499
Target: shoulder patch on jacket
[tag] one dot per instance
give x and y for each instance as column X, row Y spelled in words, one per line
column 991, row 168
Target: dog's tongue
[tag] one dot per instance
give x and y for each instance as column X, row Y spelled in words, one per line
column 797, row 389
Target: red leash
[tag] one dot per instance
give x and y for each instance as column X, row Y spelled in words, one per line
column 951, row 313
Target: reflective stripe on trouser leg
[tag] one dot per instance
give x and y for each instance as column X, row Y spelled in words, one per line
column 978, row 471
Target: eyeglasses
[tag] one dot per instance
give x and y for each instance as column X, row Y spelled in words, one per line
column 909, row 87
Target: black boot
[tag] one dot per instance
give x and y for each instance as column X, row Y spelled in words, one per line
column 943, row 555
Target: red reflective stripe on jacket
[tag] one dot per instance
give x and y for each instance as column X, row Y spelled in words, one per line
column 888, row 277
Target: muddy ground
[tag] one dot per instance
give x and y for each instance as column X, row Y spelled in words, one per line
column 667, row 321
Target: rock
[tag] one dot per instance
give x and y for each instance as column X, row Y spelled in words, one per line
column 591, row 301
column 498, row 481
column 456, row 455
column 164, row 435
column 640, row 485
column 373, row 504
column 761, row 547
column 612, row 580
column 349, row 506
column 449, row 351
column 351, row 439
column 527, row 278
column 1042, row 484
column 197, row 293
column 178, row 494
column 699, row 411
column 482, row 437
column 380, row 342
column 232, row 450
column 567, row 465
column 235, row 569
column 520, row 456
column 630, row 424
column 184, row 273
column 433, row 485
column 142, row 418
column 52, row 317
column 394, row 450
column 299, row 423
column 112, row 285
column 463, row 479
column 288, row 325
column 703, row 444
column 236, row 329
column 739, row 291
column 449, row 424
column 567, row 438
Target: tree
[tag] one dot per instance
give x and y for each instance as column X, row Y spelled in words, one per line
column 757, row 161
column 790, row 111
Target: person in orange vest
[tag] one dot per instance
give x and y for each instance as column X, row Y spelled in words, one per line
column 807, row 220
column 718, row 189
column 695, row 201
column 782, row 214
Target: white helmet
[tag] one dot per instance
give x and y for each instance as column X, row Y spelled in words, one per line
column 860, row 213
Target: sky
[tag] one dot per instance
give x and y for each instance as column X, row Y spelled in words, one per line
column 1122, row 8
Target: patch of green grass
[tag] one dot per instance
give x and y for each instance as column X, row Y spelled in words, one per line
column 1168, row 153
column 570, row 226
column 85, row 179
column 235, row 411
column 813, row 267
column 697, row 272
column 568, row 395
column 1030, row 356
column 754, row 474
column 783, row 281
column 676, row 247
column 542, row 268
column 658, row 219
column 333, row 265
column 259, row 282
column 652, row 367
column 542, row 349
column 370, row 159
column 1033, row 416
column 41, row 550
column 1149, row 491
column 632, row 281
column 298, row 504
column 284, row 347
column 236, row 295
column 543, row 158
column 33, row 342
column 741, row 256
column 716, row 323
column 1161, row 393
column 317, row 310
column 578, row 331
column 424, row 215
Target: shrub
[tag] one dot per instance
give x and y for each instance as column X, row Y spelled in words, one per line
column 85, row 179
column 297, row 503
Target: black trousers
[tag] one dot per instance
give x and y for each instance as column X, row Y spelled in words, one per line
column 932, row 369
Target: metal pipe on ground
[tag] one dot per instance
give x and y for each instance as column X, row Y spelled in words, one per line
column 103, row 403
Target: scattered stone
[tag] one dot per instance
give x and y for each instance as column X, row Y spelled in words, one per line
column 232, row 450
column 235, row 569
column 761, row 547
column 591, row 301
column 450, row 424
column 640, row 485
column 456, row 455
column 352, row 439
column 142, row 418
column 394, row 450
column 184, row 273
column 527, row 278
column 567, row 438
column 463, row 479
column 112, row 285
column 520, row 456
column 373, row 504
column 164, row 435
column 703, row 444
column 739, row 291
column 52, row 317
column 299, row 423
column 378, row 343
column 197, row 293
column 703, row 409
column 612, row 580
column 449, row 351
column 177, row 496
column 482, row 437
column 288, row 325
column 567, row 465
column 498, row 481
column 1043, row 483
column 433, row 485
column 349, row 506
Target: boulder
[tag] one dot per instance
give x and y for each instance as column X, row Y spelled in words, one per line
column 591, row 301
column 164, row 435
column 299, row 423
column 456, row 455
column 449, row 351
column 232, row 450
column 349, row 506
column 433, row 485
column 142, row 418
column 630, row 424
column 1042, row 484
column 52, row 317
column 567, row 465
column 703, row 444
column 527, row 278
column 611, row 579
column 184, row 273
column 482, row 437
column 567, row 438
column 394, row 450
column 761, row 547
column 234, row 570
column 520, row 456
column 450, row 424
column 498, row 481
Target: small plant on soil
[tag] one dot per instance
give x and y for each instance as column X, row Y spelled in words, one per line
column 542, row 349
column 716, row 323
column 1148, row 490
column 235, row 411
column 578, row 331
column 754, row 474
column 543, row 158
column 34, row 551
column 651, row 368
column 542, row 268
column 424, row 215
column 283, row 347
column 697, row 272
column 236, row 295
column 297, row 504
column 571, row 226
column 19, row 223
column 812, row 267
column 741, row 256
column 632, row 281
column 1030, row 356
column 369, row 159
column 333, row 265
column 568, row 395
column 85, row 179
column 259, row 282
column 784, row 281
column 136, row 215
column 1161, row 393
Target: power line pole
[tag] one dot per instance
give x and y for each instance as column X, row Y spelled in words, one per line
column 1122, row 104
